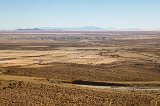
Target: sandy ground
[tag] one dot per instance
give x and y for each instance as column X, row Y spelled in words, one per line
column 68, row 55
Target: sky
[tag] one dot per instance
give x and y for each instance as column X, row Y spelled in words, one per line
column 122, row 14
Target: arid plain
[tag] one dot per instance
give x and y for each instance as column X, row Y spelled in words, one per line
column 94, row 68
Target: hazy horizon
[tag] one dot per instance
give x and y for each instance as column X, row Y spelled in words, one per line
column 81, row 28
column 121, row 14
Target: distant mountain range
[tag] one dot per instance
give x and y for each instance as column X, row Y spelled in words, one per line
column 86, row 28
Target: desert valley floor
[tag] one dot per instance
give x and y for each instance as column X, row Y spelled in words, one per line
column 80, row 68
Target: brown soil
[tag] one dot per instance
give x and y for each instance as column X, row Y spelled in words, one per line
column 39, row 69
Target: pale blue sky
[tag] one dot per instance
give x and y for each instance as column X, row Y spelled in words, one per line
column 144, row 14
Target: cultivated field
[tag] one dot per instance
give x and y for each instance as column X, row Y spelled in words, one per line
column 80, row 68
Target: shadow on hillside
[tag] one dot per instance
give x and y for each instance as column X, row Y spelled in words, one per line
column 80, row 82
